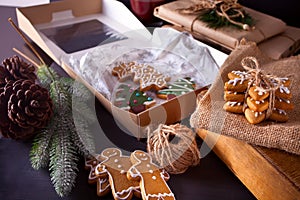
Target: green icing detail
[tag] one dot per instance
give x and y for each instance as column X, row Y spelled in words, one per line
column 139, row 98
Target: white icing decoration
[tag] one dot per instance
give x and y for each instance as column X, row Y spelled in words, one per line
column 160, row 195
column 133, row 172
column 240, row 73
column 104, row 170
column 102, row 181
column 128, row 191
column 151, row 171
column 234, row 103
column 284, row 89
column 282, row 112
column 116, row 160
column 154, row 177
column 148, row 165
column 119, row 166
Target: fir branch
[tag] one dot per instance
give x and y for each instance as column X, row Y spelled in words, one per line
column 46, row 75
column 60, row 141
column 61, row 98
column 40, row 151
column 215, row 21
column 63, row 160
column 82, row 138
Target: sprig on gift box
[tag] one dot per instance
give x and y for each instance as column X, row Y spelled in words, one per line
column 214, row 20
column 67, row 136
column 217, row 14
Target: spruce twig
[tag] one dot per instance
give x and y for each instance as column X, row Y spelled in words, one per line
column 60, row 144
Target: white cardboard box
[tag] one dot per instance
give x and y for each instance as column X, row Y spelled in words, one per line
column 39, row 23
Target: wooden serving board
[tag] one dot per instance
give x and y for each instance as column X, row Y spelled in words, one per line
column 268, row 173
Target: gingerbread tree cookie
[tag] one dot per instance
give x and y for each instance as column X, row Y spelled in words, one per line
column 152, row 179
column 177, row 88
column 140, row 101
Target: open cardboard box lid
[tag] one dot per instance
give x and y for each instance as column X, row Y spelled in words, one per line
column 40, row 24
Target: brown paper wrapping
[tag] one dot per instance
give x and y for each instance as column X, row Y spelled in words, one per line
column 282, row 45
column 266, row 26
column 209, row 114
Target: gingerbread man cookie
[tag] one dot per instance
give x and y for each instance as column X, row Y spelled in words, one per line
column 114, row 167
column 103, row 186
column 152, row 179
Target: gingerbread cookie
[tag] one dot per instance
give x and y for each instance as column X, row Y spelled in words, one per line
column 146, row 75
column 283, row 104
column 140, row 101
column 237, row 74
column 234, row 96
column 257, row 94
column 265, row 96
column 257, row 106
column 123, row 70
column 233, row 106
column 254, row 117
column 279, row 115
column 152, row 179
column 177, row 88
column 122, row 95
column 114, row 167
column 103, row 186
column 283, row 92
column 236, row 85
column 149, row 78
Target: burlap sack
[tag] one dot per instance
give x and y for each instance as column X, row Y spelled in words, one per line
column 209, row 114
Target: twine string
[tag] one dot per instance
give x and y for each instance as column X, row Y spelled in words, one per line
column 173, row 147
column 222, row 7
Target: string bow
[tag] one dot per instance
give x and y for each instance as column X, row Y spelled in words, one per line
column 264, row 82
column 229, row 9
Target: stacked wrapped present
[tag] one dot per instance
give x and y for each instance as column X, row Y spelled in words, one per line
column 226, row 22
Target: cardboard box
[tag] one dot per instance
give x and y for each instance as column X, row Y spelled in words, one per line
column 42, row 24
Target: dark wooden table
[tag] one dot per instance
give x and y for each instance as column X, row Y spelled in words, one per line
column 19, row 181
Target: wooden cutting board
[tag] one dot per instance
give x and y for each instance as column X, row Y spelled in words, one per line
column 268, row 173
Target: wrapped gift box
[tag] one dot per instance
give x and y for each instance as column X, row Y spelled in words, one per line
column 266, row 26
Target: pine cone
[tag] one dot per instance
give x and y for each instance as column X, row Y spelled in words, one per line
column 15, row 68
column 25, row 107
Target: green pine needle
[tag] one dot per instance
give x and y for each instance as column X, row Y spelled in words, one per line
column 63, row 161
column 215, row 21
column 82, row 139
column 39, row 154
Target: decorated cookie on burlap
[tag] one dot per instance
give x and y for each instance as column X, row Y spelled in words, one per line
column 103, row 186
column 177, row 88
column 152, row 179
column 114, row 167
column 266, row 96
